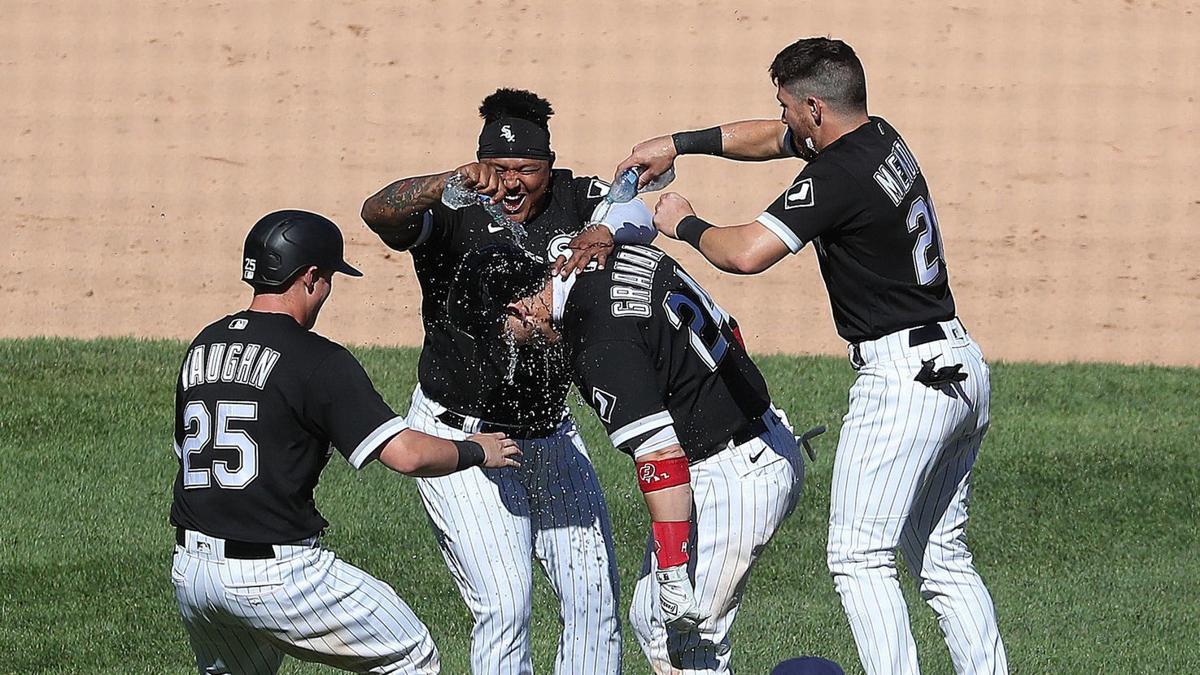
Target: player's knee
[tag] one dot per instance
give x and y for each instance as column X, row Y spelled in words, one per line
column 423, row 658
column 850, row 562
column 505, row 615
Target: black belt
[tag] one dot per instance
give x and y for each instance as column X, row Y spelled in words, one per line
column 923, row 335
column 239, row 550
column 453, row 419
column 752, row 431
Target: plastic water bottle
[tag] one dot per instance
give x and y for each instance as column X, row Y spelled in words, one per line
column 625, row 188
column 456, row 195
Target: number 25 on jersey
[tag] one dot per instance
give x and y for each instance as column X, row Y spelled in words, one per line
column 197, row 415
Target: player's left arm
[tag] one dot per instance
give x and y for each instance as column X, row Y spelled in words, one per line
column 819, row 200
column 749, row 248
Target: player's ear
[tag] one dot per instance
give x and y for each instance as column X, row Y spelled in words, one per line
column 309, row 278
column 814, row 106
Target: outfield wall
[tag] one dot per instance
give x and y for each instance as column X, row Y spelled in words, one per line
column 141, row 139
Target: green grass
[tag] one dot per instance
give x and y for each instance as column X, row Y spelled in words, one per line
column 1084, row 521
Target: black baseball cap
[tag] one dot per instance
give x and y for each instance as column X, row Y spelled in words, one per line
column 284, row 242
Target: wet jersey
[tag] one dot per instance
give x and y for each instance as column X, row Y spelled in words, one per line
column 522, row 387
column 656, row 357
column 864, row 204
column 259, row 401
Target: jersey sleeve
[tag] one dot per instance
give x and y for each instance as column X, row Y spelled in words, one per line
column 344, row 407
column 819, row 199
column 618, row 379
column 630, row 222
column 589, row 191
column 436, row 225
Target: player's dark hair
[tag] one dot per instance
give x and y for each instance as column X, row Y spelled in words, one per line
column 823, row 68
column 519, row 103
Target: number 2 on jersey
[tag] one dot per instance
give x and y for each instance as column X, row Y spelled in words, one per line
column 196, row 413
column 704, row 321
column 927, row 252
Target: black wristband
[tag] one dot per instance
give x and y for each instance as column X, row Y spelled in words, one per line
column 703, row 142
column 691, row 228
column 470, row 454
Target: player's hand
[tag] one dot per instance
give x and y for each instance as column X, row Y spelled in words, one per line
column 677, row 599
column 499, row 451
column 670, row 209
column 655, row 156
column 595, row 242
column 482, row 178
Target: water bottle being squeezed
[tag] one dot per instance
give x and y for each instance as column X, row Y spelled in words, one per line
column 456, row 195
column 625, row 188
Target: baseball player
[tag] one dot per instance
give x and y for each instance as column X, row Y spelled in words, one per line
column 919, row 408
column 488, row 523
column 663, row 367
column 259, row 404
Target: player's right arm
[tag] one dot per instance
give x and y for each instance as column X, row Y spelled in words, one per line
column 747, row 141
column 413, row 453
column 397, row 212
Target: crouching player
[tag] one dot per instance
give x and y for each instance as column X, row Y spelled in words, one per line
column 664, row 368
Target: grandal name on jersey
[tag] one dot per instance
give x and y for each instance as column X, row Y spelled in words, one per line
column 633, row 279
column 242, row 363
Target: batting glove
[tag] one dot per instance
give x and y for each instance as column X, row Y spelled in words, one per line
column 677, row 599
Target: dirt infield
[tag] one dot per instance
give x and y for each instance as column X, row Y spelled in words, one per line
column 142, row 139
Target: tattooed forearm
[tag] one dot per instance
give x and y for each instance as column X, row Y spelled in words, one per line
column 395, row 211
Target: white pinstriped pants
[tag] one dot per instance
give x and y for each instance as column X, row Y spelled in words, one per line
column 742, row 495
column 243, row 616
column 902, row 479
column 492, row 523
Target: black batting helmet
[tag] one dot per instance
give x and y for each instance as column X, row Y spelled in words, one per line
column 486, row 281
column 285, row 242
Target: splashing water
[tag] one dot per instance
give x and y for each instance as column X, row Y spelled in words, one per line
column 456, row 195
column 510, row 342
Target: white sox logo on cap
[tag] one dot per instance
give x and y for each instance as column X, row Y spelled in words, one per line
column 799, row 195
column 507, row 132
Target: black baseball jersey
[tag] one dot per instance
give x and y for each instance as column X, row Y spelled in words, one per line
column 527, row 388
column 864, row 204
column 657, row 359
column 258, row 403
